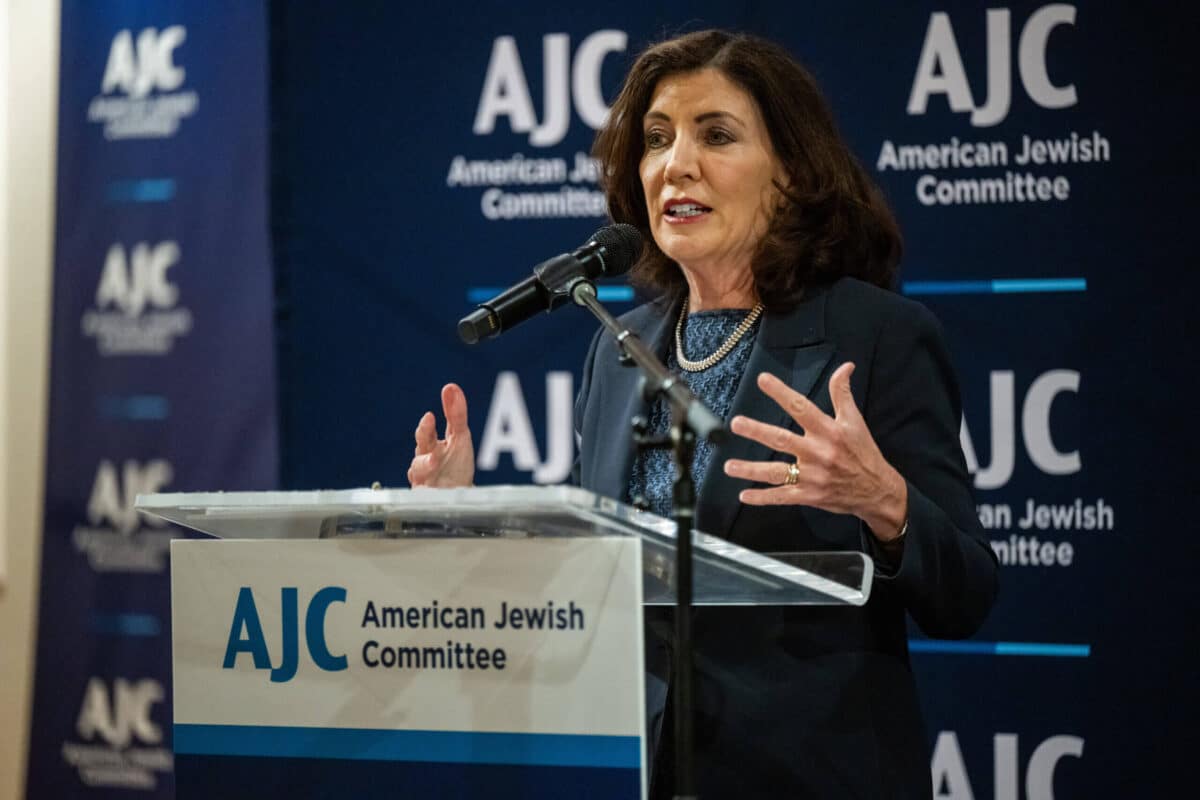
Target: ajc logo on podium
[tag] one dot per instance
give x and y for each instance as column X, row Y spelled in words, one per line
column 246, row 633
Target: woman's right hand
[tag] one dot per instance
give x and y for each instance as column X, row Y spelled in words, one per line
column 450, row 462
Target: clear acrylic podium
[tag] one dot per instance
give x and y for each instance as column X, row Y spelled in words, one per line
column 329, row 715
column 724, row 573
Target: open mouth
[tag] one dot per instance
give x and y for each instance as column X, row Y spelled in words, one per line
column 683, row 210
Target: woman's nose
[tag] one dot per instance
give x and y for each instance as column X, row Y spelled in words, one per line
column 682, row 163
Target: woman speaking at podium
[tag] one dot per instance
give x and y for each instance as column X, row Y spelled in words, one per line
column 773, row 254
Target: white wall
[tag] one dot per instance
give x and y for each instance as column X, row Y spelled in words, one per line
column 5, row 37
column 28, row 113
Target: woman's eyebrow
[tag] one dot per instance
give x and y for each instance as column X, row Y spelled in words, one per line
column 707, row 115
column 717, row 115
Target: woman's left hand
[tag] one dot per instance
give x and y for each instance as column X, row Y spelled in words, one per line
column 840, row 468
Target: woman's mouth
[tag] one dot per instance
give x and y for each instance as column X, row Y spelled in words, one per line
column 677, row 213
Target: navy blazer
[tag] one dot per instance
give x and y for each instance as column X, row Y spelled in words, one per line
column 814, row 702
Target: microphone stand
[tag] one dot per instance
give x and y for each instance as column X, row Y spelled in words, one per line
column 690, row 419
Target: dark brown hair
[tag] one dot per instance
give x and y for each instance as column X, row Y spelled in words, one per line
column 834, row 221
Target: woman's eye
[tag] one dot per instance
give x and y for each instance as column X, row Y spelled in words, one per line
column 718, row 136
column 655, row 139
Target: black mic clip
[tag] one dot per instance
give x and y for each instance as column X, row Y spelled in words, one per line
column 557, row 277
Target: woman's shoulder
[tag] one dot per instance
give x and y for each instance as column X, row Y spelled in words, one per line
column 851, row 301
column 849, row 290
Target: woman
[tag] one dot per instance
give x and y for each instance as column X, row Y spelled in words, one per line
column 773, row 254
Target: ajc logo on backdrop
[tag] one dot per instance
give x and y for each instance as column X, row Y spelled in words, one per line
column 116, row 538
column 136, row 309
column 566, row 183
column 120, row 745
column 246, row 633
column 510, row 430
column 950, row 779
column 1035, row 429
column 941, row 71
column 141, row 92
column 506, row 91
column 1037, row 533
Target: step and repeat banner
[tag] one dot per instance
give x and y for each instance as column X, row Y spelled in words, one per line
column 1040, row 162
column 162, row 374
column 1039, row 157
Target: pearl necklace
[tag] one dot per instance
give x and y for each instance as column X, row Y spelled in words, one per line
column 722, row 351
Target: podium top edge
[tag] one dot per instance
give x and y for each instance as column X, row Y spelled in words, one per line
column 569, row 511
column 553, row 495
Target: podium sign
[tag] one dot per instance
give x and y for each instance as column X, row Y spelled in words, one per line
column 475, row 642
column 439, row 667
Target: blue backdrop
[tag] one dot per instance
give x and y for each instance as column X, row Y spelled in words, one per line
column 162, row 375
column 1040, row 159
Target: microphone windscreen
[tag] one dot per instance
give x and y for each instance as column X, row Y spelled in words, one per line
column 623, row 243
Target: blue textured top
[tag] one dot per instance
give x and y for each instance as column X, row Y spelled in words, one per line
column 703, row 333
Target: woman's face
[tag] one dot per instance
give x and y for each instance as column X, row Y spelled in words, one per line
column 707, row 171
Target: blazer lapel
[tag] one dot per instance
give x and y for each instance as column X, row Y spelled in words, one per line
column 622, row 401
column 792, row 347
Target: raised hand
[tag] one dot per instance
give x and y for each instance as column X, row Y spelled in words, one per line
column 838, row 465
column 448, row 462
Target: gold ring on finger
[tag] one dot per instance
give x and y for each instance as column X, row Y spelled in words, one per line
column 793, row 475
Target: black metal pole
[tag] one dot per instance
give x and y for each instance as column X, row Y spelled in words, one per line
column 699, row 418
column 685, row 510
column 690, row 419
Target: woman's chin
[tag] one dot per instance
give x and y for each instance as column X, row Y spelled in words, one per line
column 683, row 248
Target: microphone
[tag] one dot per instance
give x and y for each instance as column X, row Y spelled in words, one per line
column 610, row 251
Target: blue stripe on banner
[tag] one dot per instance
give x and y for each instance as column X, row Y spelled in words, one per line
column 607, row 294
column 126, row 624
column 1011, row 286
column 996, row 286
column 134, row 407
column 1044, row 649
column 946, row 287
column 559, row 750
column 1039, row 649
column 147, row 190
